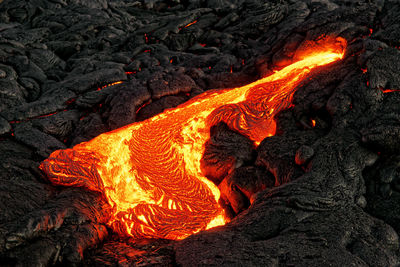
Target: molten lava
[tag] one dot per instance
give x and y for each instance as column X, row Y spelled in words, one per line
column 150, row 171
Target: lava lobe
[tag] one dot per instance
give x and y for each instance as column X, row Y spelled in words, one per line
column 150, row 171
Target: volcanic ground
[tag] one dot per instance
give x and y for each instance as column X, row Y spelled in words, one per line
column 324, row 190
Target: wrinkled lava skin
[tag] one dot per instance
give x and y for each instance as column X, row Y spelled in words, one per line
column 150, row 171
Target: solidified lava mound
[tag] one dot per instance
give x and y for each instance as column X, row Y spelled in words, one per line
column 324, row 190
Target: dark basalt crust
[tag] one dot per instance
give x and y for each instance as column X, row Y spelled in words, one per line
column 324, row 191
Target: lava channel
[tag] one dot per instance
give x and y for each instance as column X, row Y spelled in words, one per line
column 150, row 172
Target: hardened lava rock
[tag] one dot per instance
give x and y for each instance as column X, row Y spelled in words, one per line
column 224, row 151
column 324, row 190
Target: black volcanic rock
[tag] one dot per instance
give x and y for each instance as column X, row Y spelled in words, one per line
column 239, row 188
column 225, row 151
column 41, row 142
column 5, row 127
column 125, row 104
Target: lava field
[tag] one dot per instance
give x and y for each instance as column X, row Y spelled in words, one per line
column 309, row 176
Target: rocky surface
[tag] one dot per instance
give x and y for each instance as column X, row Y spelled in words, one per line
column 324, row 190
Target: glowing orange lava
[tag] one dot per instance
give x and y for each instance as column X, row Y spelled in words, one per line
column 191, row 23
column 150, row 171
column 385, row 91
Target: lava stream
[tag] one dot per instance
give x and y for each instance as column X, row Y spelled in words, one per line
column 150, row 171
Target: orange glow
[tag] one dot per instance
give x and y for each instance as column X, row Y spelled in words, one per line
column 108, row 85
column 390, row 90
column 313, row 123
column 191, row 23
column 142, row 106
column 150, row 172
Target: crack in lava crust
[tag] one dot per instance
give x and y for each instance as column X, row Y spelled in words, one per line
column 150, row 171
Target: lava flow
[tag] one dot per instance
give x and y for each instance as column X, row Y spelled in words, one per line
column 150, row 171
